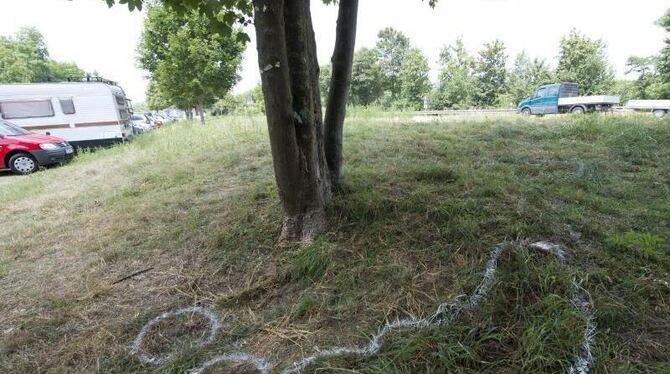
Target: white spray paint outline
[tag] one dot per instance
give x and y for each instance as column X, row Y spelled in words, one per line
column 580, row 300
column 444, row 315
column 146, row 358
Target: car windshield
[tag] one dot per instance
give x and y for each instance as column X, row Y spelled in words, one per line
column 8, row 129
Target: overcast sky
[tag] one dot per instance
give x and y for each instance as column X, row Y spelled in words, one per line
column 102, row 39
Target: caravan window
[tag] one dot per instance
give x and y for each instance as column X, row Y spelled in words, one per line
column 26, row 109
column 67, row 105
column 120, row 100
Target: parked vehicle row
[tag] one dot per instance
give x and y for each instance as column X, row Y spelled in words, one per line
column 42, row 123
column 564, row 98
column 146, row 122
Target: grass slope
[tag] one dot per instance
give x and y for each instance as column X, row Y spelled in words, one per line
column 422, row 207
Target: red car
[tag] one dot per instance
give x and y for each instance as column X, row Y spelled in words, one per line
column 24, row 152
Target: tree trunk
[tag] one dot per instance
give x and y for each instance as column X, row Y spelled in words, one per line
column 315, row 71
column 340, row 82
column 287, row 74
column 201, row 110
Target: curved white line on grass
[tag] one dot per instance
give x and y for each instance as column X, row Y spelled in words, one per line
column 259, row 363
column 445, row 314
column 580, row 300
column 145, row 358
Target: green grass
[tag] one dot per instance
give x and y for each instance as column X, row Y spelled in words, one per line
column 422, row 206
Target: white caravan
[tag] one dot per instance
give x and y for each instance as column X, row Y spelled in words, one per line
column 86, row 114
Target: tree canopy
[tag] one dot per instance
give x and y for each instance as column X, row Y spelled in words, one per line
column 583, row 60
column 367, row 78
column 490, row 74
column 24, row 58
column 392, row 74
column 189, row 64
column 455, row 82
column 663, row 61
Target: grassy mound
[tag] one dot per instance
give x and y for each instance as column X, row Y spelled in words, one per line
column 423, row 206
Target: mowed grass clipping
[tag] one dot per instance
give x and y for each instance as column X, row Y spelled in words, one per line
column 423, row 205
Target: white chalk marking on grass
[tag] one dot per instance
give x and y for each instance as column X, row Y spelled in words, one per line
column 259, row 363
column 146, row 358
column 584, row 358
column 580, row 300
column 581, row 169
column 445, row 314
column 550, row 248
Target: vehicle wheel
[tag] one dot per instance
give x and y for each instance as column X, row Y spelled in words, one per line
column 659, row 113
column 526, row 112
column 577, row 110
column 23, row 163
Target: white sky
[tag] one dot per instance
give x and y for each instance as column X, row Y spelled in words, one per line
column 102, row 39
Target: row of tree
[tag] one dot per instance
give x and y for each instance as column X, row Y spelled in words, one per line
column 395, row 75
column 24, row 58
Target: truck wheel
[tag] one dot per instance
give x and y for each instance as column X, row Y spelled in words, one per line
column 659, row 113
column 526, row 112
column 23, row 163
column 577, row 110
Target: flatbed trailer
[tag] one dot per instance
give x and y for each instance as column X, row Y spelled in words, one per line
column 658, row 107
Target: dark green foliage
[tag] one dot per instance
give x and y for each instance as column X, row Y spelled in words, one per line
column 414, row 82
column 249, row 102
column 490, row 74
column 663, row 62
column 391, row 75
column 455, row 88
column 367, row 78
column 324, row 81
column 584, row 61
column 647, row 79
column 392, row 49
column 190, row 64
column 526, row 75
column 24, row 58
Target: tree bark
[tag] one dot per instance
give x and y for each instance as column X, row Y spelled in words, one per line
column 315, row 71
column 340, row 83
column 287, row 81
column 201, row 110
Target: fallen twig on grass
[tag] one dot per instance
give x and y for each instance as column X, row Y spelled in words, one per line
column 133, row 275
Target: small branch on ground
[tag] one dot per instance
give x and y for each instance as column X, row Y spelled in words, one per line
column 133, row 275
